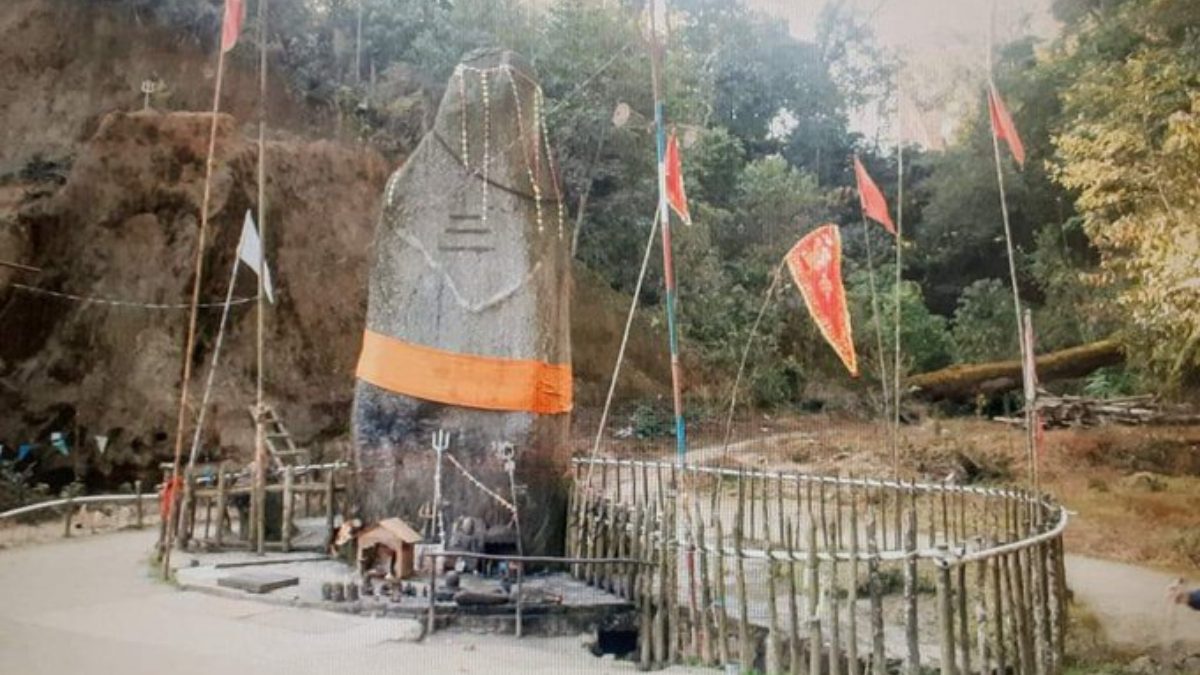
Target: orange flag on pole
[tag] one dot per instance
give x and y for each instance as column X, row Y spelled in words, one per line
column 874, row 206
column 1003, row 127
column 675, row 194
column 231, row 27
column 816, row 266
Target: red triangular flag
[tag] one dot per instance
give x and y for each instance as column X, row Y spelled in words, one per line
column 231, row 27
column 1003, row 127
column 874, row 206
column 816, row 266
column 675, row 194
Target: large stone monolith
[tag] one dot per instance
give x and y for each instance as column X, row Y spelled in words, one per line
column 468, row 316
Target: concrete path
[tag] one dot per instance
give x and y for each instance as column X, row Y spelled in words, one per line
column 91, row 605
column 1131, row 604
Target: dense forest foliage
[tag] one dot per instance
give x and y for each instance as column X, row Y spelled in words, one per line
column 1103, row 213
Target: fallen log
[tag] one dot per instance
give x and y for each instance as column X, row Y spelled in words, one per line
column 964, row 382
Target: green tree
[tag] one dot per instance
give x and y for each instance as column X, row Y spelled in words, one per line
column 985, row 325
column 1132, row 154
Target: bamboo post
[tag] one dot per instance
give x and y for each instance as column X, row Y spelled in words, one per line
column 745, row 652
column 878, row 654
column 833, row 604
column 812, row 579
column 981, row 620
column 1041, row 616
column 660, row 610
column 753, row 519
column 591, row 574
column 825, row 543
column 192, row 508
column 675, row 635
column 646, row 577
column 852, row 590
column 1061, row 576
column 222, row 503
column 1020, row 656
column 772, row 656
column 289, row 508
column 706, row 652
column 722, row 614
column 912, row 664
column 837, row 510
column 137, row 489
column 184, row 532
column 997, row 614
column 964, row 635
column 610, row 546
column 1022, row 590
column 645, row 484
column 330, row 491
column 163, row 527
column 634, row 576
column 766, row 501
column 793, row 610
column 208, row 504
column 572, row 500
column 1055, row 615
column 779, row 508
column 881, row 522
column 1033, row 600
column 946, row 528
column 67, row 515
column 946, row 618
column 624, row 573
column 431, row 618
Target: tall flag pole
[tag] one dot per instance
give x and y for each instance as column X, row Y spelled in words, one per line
column 874, row 206
column 664, row 213
column 896, row 394
column 1003, row 128
column 260, row 454
column 230, row 28
column 657, row 55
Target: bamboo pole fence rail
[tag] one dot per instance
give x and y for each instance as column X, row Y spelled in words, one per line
column 972, row 581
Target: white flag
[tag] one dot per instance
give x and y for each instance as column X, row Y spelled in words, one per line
column 102, row 443
column 250, row 252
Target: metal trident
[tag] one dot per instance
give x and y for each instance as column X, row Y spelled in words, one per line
column 441, row 443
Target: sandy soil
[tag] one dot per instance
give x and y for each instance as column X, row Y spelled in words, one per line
column 90, row 605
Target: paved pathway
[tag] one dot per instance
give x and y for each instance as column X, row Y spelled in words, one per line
column 91, row 605
column 1130, row 602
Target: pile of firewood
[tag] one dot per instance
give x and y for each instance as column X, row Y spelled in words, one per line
column 1083, row 411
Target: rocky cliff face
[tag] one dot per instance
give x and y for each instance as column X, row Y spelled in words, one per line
column 123, row 226
column 105, row 200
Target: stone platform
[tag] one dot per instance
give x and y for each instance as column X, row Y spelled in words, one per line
column 554, row 603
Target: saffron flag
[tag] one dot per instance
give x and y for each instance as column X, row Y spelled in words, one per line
column 816, row 266
column 675, row 194
column 1003, row 127
column 874, row 206
column 250, row 251
column 231, row 27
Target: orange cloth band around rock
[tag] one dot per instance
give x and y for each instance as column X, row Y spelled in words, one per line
column 466, row 380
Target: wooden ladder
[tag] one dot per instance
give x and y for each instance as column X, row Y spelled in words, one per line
column 279, row 442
